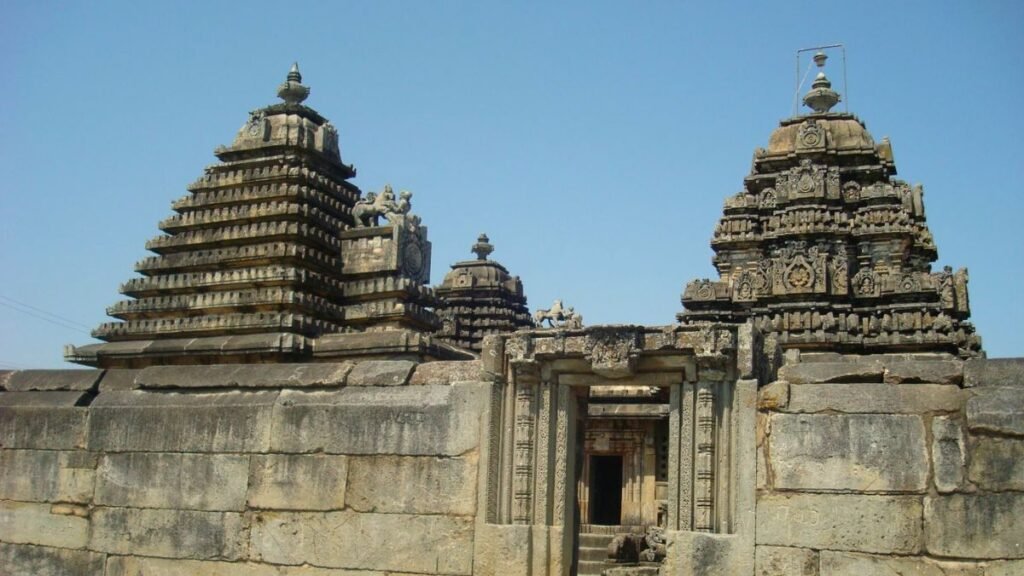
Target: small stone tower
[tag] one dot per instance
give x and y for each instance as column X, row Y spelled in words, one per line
column 258, row 261
column 479, row 297
column 825, row 250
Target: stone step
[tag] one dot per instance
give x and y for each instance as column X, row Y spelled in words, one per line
column 590, row 568
column 595, row 540
column 593, row 554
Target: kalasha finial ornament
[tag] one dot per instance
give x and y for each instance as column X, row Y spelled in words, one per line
column 821, row 97
column 292, row 91
column 483, row 247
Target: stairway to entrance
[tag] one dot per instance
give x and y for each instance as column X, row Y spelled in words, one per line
column 594, row 541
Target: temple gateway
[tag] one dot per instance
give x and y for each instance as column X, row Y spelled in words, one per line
column 282, row 391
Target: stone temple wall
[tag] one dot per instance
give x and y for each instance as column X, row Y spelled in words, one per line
column 885, row 464
column 891, row 464
column 284, row 470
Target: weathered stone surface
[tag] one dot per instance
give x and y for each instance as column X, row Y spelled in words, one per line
column 994, row 372
column 5, row 375
column 997, row 464
column 447, row 372
column 924, row 371
column 140, row 566
column 46, row 475
column 875, row 398
column 492, row 355
column 43, row 380
column 1005, row 568
column 825, row 372
column 947, row 453
column 42, row 420
column 415, row 485
column 863, row 452
column 118, row 380
column 864, row 523
column 996, row 410
column 774, row 396
column 429, row 544
column 181, row 481
column 27, row 560
column 975, row 525
column 850, row 564
column 501, row 549
column 381, row 373
column 229, row 421
column 169, row 533
column 781, row 561
column 32, row 523
column 323, row 374
column 421, row 420
column 300, row 481
column 699, row 554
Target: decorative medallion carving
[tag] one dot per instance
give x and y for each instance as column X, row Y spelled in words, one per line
column 613, row 351
column 811, row 135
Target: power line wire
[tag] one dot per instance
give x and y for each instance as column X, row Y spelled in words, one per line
column 40, row 310
column 45, row 319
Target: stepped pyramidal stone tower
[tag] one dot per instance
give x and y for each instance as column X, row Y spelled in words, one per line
column 825, row 250
column 273, row 250
column 479, row 298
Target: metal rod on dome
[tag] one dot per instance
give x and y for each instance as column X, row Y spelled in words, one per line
column 799, row 83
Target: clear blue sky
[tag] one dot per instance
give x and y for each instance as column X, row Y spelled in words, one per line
column 593, row 141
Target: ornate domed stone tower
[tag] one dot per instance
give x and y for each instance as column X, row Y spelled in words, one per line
column 272, row 251
column 479, row 297
column 825, row 250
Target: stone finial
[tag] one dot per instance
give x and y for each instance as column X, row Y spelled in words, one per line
column 821, row 98
column 483, row 247
column 292, row 91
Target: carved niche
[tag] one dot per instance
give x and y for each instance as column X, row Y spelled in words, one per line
column 799, row 270
column 867, row 283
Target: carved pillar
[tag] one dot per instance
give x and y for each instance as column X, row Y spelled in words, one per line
column 704, row 483
column 680, row 457
column 523, row 449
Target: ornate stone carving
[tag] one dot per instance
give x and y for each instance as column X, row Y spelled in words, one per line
column 810, row 135
column 612, row 350
column 822, row 184
column 558, row 317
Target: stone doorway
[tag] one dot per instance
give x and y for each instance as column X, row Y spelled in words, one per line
column 605, row 490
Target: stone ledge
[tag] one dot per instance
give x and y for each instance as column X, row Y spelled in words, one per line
column 875, row 398
column 994, row 372
column 381, row 373
column 924, row 372
column 447, row 372
column 997, row 410
column 828, row 372
column 145, row 421
column 52, row 380
column 853, row 564
column 326, row 374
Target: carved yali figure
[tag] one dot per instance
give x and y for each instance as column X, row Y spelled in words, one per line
column 367, row 212
column 558, row 317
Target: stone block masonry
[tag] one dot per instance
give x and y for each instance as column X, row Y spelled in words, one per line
column 352, row 468
column 891, row 464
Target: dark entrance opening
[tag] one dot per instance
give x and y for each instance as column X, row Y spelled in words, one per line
column 606, row 490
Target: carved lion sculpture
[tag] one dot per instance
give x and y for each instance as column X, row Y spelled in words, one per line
column 367, row 212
